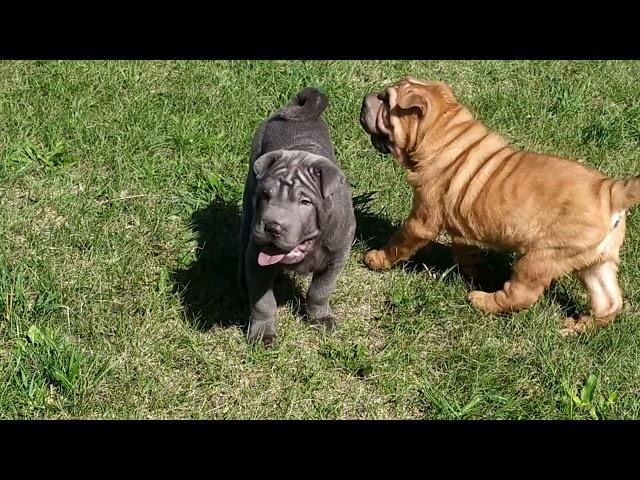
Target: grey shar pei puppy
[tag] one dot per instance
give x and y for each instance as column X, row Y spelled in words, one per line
column 297, row 213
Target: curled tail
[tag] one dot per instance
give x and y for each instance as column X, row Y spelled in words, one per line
column 625, row 193
column 308, row 104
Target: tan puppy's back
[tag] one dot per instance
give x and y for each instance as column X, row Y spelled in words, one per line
column 497, row 196
column 536, row 201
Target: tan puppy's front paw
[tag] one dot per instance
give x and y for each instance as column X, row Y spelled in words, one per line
column 376, row 260
column 483, row 301
column 574, row 327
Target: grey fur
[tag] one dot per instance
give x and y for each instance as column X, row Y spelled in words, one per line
column 292, row 162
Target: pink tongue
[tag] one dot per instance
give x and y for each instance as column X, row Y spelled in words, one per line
column 264, row 259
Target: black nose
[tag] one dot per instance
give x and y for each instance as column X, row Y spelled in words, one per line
column 273, row 229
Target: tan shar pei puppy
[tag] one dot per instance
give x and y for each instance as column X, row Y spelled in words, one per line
column 559, row 215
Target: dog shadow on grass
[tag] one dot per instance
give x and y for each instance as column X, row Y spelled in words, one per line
column 211, row 296
column 208, row 287
column 374, row 230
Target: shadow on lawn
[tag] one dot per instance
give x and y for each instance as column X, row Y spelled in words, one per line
column 211, row 296
column 374, row 230
column 208, row 288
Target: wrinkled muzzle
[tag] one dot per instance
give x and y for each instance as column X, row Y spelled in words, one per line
column 369, row 113
column 284, row 233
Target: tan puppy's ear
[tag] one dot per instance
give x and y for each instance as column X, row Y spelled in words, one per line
column 413, row 100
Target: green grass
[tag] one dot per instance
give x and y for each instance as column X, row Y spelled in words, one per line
column 120, row 185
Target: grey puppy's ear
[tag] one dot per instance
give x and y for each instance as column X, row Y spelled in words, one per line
column 331, row 178
column 263, row 163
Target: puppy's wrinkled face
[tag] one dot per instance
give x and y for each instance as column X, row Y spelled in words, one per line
column 291, row 187
column 397, row 117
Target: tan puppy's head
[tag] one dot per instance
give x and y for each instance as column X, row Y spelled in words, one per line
column 398, row 118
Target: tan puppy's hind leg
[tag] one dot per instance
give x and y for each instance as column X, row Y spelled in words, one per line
column 601, row 282
column 532, row 274
column 602, row 286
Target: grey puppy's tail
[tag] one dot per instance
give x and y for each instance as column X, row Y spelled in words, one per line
column 308, row 104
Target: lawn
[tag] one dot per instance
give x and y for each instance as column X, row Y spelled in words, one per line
column 120, row 187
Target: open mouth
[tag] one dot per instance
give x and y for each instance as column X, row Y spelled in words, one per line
column 380, row 143
column 369, row 120
column 270, row 255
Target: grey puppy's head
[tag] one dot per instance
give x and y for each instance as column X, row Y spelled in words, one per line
column 290, row 203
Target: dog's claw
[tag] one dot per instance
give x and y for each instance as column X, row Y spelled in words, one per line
column 376, row 260
column 328, row 322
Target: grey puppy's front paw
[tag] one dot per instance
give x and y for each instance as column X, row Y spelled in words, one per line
column 269, row 340
column 261, row 331
column 329, row 322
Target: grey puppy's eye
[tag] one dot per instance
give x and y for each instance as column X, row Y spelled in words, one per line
column 305, row 201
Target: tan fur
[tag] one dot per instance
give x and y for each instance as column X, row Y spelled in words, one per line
column 559, row 215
